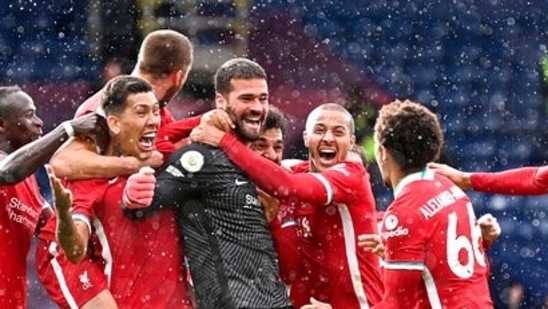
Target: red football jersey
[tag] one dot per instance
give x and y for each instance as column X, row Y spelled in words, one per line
column 335, row 270
column 21, row 207
column 434, row 252
column 331, row 208
column 93, row 105
column 141, row 258
column 519, row 181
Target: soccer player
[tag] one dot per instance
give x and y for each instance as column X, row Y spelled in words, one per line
column 134, row 264
column 434, row 255
column 332, row 202
column 271, row 142
column 24, row 150
column 226, row 236
column 165, row 59
column 518, row 181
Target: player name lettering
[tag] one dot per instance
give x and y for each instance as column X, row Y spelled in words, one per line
column 440, row 201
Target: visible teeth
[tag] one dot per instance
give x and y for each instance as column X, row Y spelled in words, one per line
column 327, row 151
column 150, row 135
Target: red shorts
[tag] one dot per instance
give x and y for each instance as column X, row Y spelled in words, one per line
column 69, row 285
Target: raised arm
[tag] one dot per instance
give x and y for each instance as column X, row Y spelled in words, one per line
column 27, row 159
column 72, row 234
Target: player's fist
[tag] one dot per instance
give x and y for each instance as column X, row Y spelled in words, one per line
column 139, row 189
column 154, row 159
column 490, row 227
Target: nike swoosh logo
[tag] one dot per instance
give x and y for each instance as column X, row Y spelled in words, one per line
column 240, row 182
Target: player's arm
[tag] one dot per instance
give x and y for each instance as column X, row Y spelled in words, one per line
column 279, row 182
column 80, row 160
column 519, row 181
column 27, row 159
column 147, row 192
column 72, row 231
column 171, row 134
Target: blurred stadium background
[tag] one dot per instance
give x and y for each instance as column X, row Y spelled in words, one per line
column 478, row 64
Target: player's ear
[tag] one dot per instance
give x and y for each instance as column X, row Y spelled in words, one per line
column 305, row 138
column 352, row 141
column 2, row 125
column 113, row 124
column 220, row 101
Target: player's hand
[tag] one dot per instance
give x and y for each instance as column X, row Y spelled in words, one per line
column 270, row 205
column 218, row 118
column 461, row 179
column 207, row 134
column 93, row 126
column 154, row 159
column 315, row 304
column 139, row 189
column 490, row 228
column 371, row 243
column 62, row 197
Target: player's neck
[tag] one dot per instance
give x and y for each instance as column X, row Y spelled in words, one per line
column 6, row 145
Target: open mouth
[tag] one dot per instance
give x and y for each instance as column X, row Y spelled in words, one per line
column 146, row 142
column 254, row 124
column 327, row 154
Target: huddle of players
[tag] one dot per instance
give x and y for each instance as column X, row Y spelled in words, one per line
column 211, row 198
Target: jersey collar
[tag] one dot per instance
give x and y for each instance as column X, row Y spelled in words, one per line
column 425, row 174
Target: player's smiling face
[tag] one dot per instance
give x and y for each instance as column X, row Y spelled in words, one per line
column 329, row 138
column 136, row 127
column 247, row 105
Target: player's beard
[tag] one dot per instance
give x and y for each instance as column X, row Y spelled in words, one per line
column 169, row 95
column 246, row 136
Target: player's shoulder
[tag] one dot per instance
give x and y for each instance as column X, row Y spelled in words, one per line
column 348, row 169
column 91, row 105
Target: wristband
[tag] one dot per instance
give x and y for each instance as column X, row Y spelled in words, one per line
column 68, row 128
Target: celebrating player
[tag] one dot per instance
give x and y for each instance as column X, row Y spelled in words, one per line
column 117, row 261
column 434, row 255
column 226, row 237
column 23, row 206
column 165, row 59
column 332, row 204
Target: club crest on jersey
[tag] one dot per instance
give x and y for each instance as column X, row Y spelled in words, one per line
column 192, row 161
column 390, row 222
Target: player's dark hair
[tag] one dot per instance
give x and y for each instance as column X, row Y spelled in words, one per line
column 163, row 52
column 5, row 92
column 237, row 68
column 411, row 133
column 117, row 91
column 275, row 120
